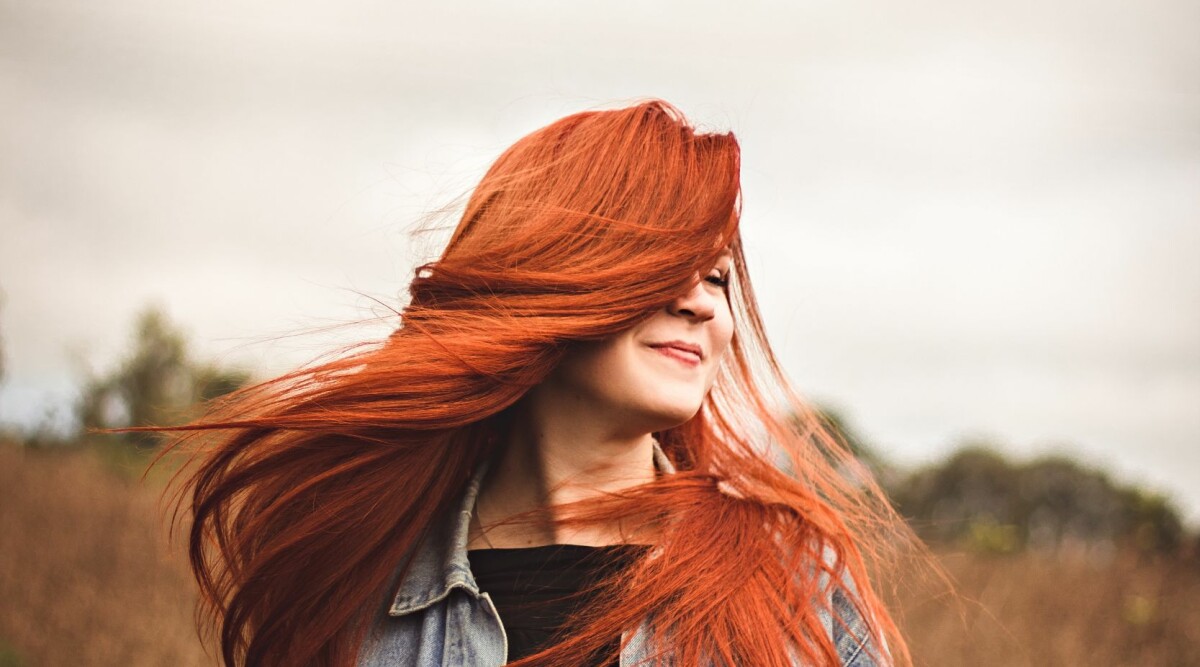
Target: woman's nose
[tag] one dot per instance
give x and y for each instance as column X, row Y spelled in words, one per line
column 698, row 304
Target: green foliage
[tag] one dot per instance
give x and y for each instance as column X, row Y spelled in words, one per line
column 156, row 384
column 9, row 657
column 990, row 504
column 1153, row 522
column 984, row 535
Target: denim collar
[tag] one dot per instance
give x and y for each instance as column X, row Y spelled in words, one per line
column 440, row 563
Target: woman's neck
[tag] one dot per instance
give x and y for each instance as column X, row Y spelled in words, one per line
column 555, row 455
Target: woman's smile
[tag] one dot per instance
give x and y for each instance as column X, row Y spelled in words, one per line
column 689, row 354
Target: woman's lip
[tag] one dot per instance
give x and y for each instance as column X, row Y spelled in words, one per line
column 688, row 357
column 681, row 345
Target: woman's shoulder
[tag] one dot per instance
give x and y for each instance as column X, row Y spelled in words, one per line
column 855, row 635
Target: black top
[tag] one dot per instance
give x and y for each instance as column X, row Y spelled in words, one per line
column 535, row 589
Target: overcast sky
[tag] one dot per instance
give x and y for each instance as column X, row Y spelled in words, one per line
column 965, row 219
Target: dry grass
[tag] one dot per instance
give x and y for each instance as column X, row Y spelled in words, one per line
column 86, row 579
column 85, row 574
column 1031, row 609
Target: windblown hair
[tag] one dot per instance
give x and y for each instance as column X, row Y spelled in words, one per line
column 309, row 490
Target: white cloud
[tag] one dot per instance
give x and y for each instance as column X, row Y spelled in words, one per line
column 962, row 218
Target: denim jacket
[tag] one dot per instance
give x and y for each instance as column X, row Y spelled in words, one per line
column 438, row 617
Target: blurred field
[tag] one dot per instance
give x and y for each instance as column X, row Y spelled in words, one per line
column 85, row 574
column 86, row 578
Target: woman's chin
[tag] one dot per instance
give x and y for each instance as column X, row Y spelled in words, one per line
column 669, row 414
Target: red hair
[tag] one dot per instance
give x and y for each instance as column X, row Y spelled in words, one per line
column 315, row 485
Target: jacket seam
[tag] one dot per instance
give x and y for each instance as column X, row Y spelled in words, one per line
column 397, row 612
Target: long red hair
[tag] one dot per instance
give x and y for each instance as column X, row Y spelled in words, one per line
column 311, row 488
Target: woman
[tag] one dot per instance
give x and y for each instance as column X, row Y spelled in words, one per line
column 577, row 448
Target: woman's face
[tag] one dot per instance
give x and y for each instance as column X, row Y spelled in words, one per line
column 655, row 376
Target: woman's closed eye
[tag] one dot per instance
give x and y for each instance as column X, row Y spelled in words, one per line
column 717, row 278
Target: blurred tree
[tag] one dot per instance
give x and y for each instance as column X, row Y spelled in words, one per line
column 157, row 384
column 1153, row 522
column 978, row 498
column 1062, row 504
column 974, row 486
column 871, row 463
column 867, row 464
column 835, row 420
